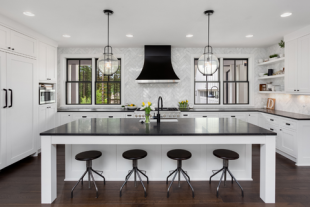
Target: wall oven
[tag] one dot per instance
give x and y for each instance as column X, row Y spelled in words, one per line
column 47, row 94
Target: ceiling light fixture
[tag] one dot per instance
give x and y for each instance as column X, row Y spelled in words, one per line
column 286, row 14
column 107, row 63
column 29, row 14
column 65, row 35
column 208, row 63
column 129, row 35
column 189, row 35
column 248, row 36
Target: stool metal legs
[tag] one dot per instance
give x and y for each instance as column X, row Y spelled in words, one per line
column 89, row 170
column 178, row 171
column 136, row 172
column 225, row 170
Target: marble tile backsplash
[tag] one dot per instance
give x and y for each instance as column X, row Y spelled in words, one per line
column 181, row 61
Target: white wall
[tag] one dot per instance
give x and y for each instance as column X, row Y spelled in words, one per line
column 181, row 61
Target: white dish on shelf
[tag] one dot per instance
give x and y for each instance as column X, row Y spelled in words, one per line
column 261, row 74
column 131, row 107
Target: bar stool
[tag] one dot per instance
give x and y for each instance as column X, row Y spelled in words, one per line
column 179, row 155
column 88, row 156
column 135, row 155
column 225, row 155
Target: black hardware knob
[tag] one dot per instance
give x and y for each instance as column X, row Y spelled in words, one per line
column 233, row 116
column 271, row 129
column 288, row 124
column 271, row 120
column 185, row 115
column 12, row 48
column 204, row 116
column 110, row 116
column 294, row 90
column 297, row 90
column 129, row 115
column 84, row 116
column 9, row 47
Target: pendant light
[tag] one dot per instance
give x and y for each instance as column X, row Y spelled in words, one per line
column 208, row 63
column 107, row 63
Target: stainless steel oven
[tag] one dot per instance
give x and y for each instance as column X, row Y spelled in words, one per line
column 47, row 95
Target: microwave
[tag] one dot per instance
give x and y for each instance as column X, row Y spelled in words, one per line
column 47, row 96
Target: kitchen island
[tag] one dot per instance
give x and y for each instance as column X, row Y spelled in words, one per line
column 198, row 135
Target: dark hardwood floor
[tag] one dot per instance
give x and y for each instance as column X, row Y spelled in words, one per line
column 20, row 185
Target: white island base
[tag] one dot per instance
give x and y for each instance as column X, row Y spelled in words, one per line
column 156, row 163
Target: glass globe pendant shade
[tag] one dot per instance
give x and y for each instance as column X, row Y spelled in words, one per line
column 108, row 64
column 208, row 64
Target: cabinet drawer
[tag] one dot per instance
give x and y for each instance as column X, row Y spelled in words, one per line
column 271, row 120
column 287, row 123
column 204, row 115
column 131, row 115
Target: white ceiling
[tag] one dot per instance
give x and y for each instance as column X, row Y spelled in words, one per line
column 165, row 22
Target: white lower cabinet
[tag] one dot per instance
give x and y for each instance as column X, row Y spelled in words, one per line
column 47, row 117
column 288, row 141
column 111, row 115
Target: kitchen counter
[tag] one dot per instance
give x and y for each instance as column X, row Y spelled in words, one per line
column 285, row 114
column 95, row 110
column 183, row 127
column 200, row 136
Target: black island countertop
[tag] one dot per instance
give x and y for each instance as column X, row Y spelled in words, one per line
column 183, row 127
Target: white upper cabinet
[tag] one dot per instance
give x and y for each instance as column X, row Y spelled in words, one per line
column 47, row 62
column 291, row 69
column 23, row 44
column 4, row 37
column 303, row 73
column 16, row 42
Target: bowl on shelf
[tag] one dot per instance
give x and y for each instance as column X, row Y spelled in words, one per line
column 261, row 74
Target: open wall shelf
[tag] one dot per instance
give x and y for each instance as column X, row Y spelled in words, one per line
column 270, row 77
column 272, row 61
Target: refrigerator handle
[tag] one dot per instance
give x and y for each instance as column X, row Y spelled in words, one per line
column 6, row 98
column 11, row 98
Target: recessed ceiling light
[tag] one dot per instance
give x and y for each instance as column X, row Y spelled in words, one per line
column 65, row 35
column 129, row 35
column 29, row 14
column 189, row 35
column 286, row 14
column 248, row 36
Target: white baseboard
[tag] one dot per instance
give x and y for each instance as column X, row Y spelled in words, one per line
column 286, row 155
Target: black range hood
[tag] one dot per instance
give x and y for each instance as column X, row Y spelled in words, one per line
column 157, row 66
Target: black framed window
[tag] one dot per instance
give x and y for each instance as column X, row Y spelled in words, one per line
column 235, row 81
column 207, row 88
column 79, row 82
column 108, row 88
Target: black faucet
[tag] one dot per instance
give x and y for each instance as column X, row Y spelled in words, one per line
column 158, row 114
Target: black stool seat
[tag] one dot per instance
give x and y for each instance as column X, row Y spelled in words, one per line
column 226, row 154
column 88, row 155
column 179, row 154
column 134, row 154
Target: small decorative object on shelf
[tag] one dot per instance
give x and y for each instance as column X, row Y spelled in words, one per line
column 271, row 102
column 274, row 56
column 131, row 106
column 183, row 104
column 147, row 108
column 262, row 87
column 270, row 72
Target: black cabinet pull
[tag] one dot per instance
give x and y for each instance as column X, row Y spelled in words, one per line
column 288, row 124
column 271, row 120
column 294, row 90
column 280, row 129
column 233, row 116
column 185, row 115
column 110, row 116
column 204, row 116
column 129, row 115
column 11, row 98
column 6, row 98
column 297, row 90
column 84, row 116
column 9, row 47
column 271, row 129
column 12, row 48
column 49, row 79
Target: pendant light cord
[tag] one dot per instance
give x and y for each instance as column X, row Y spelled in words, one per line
column 108, row 28
column 208, row 31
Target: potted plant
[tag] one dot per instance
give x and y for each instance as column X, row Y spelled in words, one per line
column 147, row 108
column 183, row 104
column 274, row 56
column 282, row 45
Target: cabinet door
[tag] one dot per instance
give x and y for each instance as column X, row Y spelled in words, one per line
column 303, row 74
column 42, row 61
column 288, row 141
column 291, row 66
column 3, row 111
column 51, row 69
column 21, row 134
column 236, row 115
column 50, row 116
column 23, row 44
column 4, row 37
column 64, row 118
column 253, row 119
